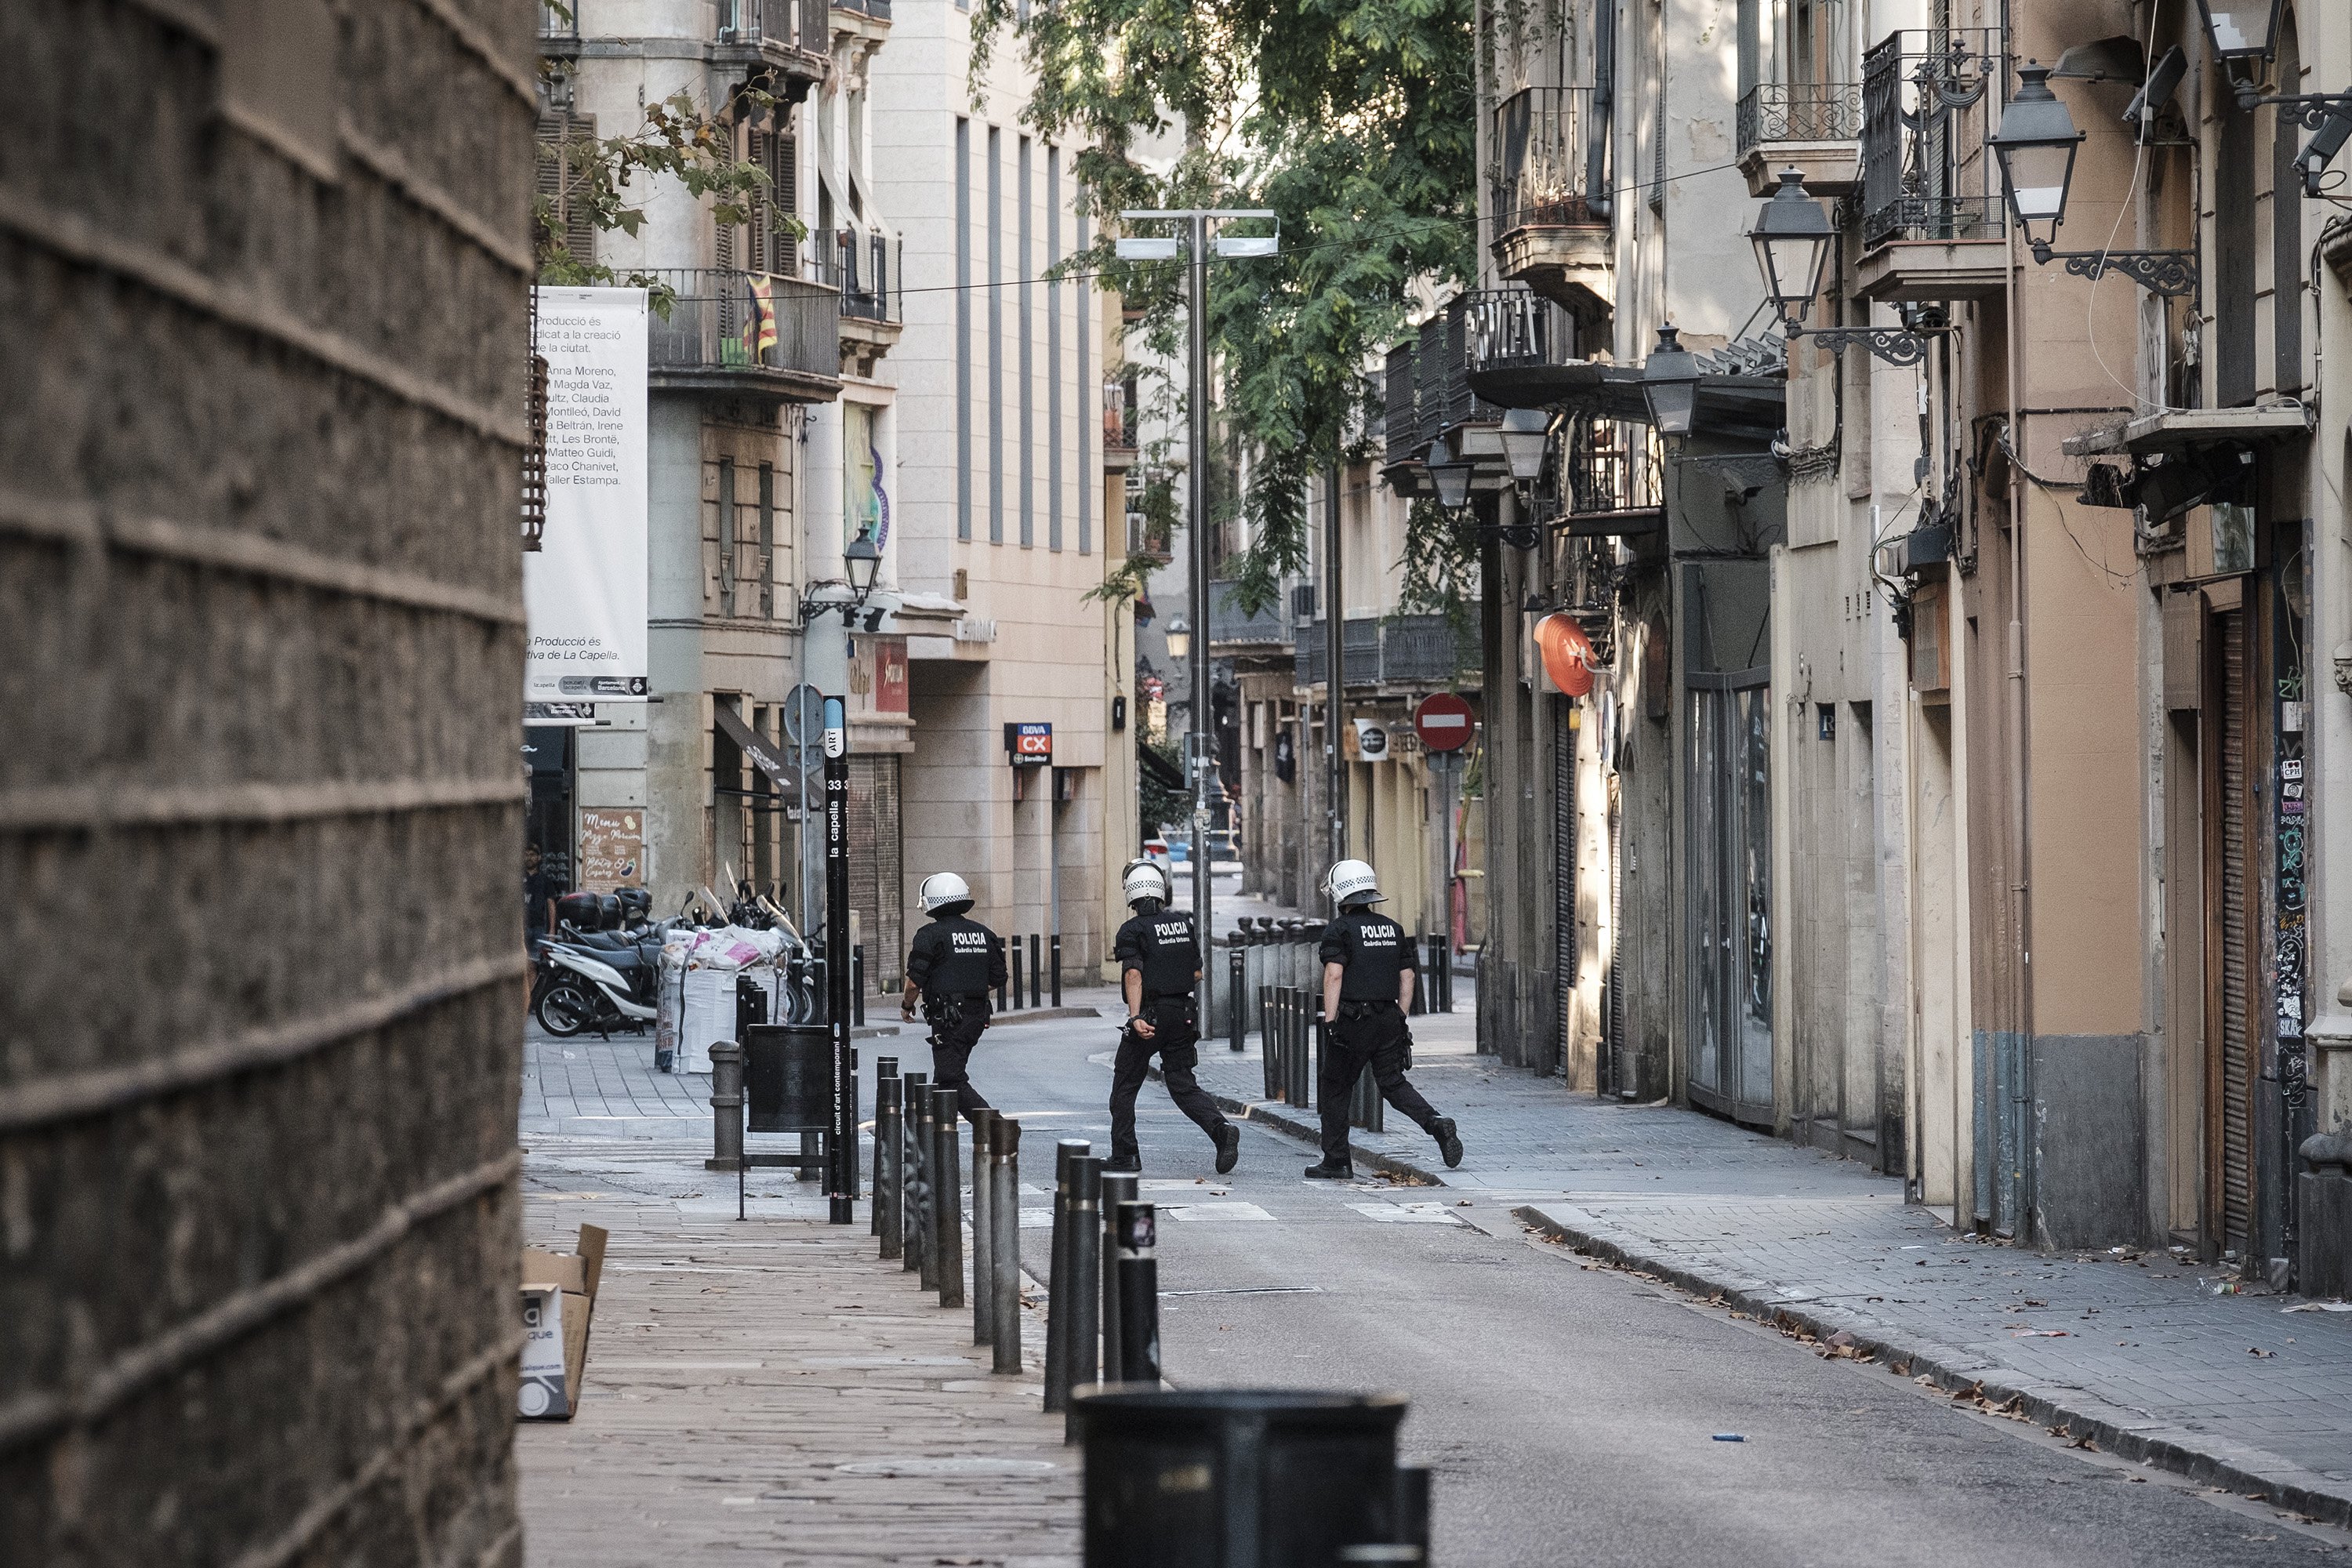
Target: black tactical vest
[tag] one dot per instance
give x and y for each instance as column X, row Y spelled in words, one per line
column 1376, row 951
column 1161, row 947
column 954, row 957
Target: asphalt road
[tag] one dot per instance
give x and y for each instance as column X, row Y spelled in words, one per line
column 1569, row 1411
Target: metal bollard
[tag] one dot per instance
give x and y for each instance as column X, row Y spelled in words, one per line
column 1413, row 1507
column 1139, row 1295
column 888, row 1153
column 1266, row 1058
column 1083, row 1297
column 1058, row 1284
column 726, row 1107
column 946, row 1196
column 914, row 1122
column 1036, row 997
column 1054, row 966
column 1237, row 966
column 885, row 1069
column 1001, row 945
column 1117, row 1187
column 1004, row 1255
column 983, row 1233
column 857, row 983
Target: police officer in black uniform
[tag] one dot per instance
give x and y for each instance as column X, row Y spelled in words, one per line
column 951, row 966
column 1369, row 971
column 1162, row 965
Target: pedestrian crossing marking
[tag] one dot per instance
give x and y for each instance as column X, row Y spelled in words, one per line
column 1194, row 1212
column 1408, row 1214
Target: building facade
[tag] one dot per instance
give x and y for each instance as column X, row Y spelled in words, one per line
column 1948, row 795
column 930, row 385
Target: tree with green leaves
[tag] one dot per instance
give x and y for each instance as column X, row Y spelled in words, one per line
column 1352, row 120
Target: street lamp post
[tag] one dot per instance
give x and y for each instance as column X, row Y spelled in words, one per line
column 1670, row 379
column 1200, row 740
column 1793, row 236
column 2036, row 144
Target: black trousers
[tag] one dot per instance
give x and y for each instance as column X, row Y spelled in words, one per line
column 1378, row 1037
column 951, row 1048
column 1175, row 1036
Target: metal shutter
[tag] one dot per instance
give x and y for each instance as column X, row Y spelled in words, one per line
column 1563, row 833
column 2237, row 1066
column 877, row 887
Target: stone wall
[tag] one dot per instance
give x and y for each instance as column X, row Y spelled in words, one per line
column 262, row 322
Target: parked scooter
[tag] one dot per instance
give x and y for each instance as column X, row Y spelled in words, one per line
column 599, row 979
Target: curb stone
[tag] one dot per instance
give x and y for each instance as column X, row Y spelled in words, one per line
column 1956, row 1371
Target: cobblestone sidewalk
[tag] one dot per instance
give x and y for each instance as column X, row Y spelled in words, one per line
column 2135, row 1353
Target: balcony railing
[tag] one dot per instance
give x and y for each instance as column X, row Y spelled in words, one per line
column 1544, row 147
column 1800, row 111
column 560, row 22
column 724, row 321
column 1119, row 414
column 1227, row 623
column 1395, row 650
column 1509, row 328
column 782, row 24
column 1400, row 420
column 858, row 264
column 1607, row 468
column 1930, row 99
column 877, row 9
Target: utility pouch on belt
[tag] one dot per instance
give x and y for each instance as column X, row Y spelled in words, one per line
column 943, row 1011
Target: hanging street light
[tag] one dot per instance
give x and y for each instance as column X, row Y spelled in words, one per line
column 2241, row 29
column 1793, row 236
column 1451, row 475
column 1527, row 436
column 2036, row 145
column 1180, row 639
column 863, row 557
column 1670, row 384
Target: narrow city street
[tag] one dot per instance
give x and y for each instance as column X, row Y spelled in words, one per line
column 1571, row 1411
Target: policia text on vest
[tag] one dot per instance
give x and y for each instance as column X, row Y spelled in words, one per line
column 951, row 966
column 1158, row 962
column 1369, row 970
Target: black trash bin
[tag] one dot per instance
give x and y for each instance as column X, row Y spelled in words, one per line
column 1237, row 1478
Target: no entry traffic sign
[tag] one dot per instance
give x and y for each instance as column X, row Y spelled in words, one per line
column 1442, row 722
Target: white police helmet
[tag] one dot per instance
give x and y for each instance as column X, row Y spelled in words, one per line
column 1144, row 880
column 943, row 889
column 1351, row 883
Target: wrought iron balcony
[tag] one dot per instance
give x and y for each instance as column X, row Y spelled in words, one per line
column 1419, row 649
column 1543, row 153
column 749, row 334
column 1548, row 185
column 857, row 263
column 1228, row 625
column 1119, row 418
column 559, row 24
column 777, row 28
column 1930, row 100
column 1808, row 126
column 877, row 9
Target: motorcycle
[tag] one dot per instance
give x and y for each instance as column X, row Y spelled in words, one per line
column 601, row 980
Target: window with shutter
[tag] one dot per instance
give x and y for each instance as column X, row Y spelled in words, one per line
column 784, row 201
column 761, row 218
column 570, row 219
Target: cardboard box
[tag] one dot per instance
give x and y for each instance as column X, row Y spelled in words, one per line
column 559, row 1294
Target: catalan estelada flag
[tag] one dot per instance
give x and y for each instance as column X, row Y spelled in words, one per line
column 760, row 332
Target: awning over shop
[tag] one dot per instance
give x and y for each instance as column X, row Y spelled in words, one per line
column 757, row 747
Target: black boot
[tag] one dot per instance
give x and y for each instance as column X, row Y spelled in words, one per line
column 1448, row 1143
column 1127, row 1164
column 1229, row 1147
column 1331, row 1171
